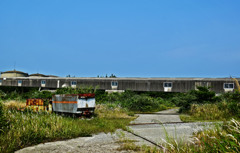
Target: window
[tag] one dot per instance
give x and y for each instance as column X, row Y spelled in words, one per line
column 43, row 82
column 19, row 83
column 0, row 82
column 74, row 83
column 228, row 86
column 114, row 83
column 167, row 84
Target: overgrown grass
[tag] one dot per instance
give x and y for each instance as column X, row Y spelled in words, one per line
column 212, row 112
column 112, row 111
column 15, row 105
column 225, row 138
column 28, row 128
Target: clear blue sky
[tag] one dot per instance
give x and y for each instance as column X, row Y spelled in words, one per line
column 129, row 38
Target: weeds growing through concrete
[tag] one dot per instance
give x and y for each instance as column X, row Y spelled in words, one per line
column 225, row 138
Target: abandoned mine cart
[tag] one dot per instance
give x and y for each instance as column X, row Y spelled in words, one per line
column 82, row 104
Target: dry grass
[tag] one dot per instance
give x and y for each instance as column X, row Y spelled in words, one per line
column 207, row 112
column 13, row 104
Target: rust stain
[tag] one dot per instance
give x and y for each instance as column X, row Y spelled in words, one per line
column 66, row 102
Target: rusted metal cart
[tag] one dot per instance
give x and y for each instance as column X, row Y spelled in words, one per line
column 82, row 104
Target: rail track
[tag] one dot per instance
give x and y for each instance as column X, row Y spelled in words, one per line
column 133, row 124
column 150, row 141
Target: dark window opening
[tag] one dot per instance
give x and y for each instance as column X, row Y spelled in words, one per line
column 167, row 84
column 228, row 85
column 74, row 83
column 43, row 82
column 114, row 83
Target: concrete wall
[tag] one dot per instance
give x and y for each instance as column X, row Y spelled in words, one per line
column 135, row 84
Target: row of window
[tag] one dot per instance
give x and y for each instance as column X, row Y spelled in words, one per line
column 165, row 84
column 20, row 81
column 170, row 84
column 43, row 82
column 115, row 83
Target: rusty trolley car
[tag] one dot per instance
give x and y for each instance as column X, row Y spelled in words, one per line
column 81, row 104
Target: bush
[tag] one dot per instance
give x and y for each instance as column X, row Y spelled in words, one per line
column 2, row 94
column 185, row 102
column 234, row 109
column 231, row 96
column 101, row 96
column 202, row 95
column 141, row 104
column 135, row 102
column 42, row 94
column 69, row 90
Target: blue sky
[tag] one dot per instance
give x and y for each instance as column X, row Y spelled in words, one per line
column 129, row 38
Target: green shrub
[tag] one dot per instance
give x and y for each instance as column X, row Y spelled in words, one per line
column 101, row 96
column 42, row 94
column 234, row 109
column 141, row 103
column 185, row 102
column 69, row 90
column 202, row 95
column 2, row 95
column 135, row 102
column 231, row 96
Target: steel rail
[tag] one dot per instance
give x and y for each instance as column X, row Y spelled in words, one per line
column 133, row 124
column 154, row 143
column 159, row 114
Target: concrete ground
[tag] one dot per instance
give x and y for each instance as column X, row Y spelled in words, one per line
column 159, row 133
column 101, row 143
column 170, row 115
column 144, row 126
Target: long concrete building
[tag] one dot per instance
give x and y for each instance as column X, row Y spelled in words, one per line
column 219, row 85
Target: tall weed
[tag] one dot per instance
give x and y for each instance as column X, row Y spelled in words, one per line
column 218, row 111
column 28, row 128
